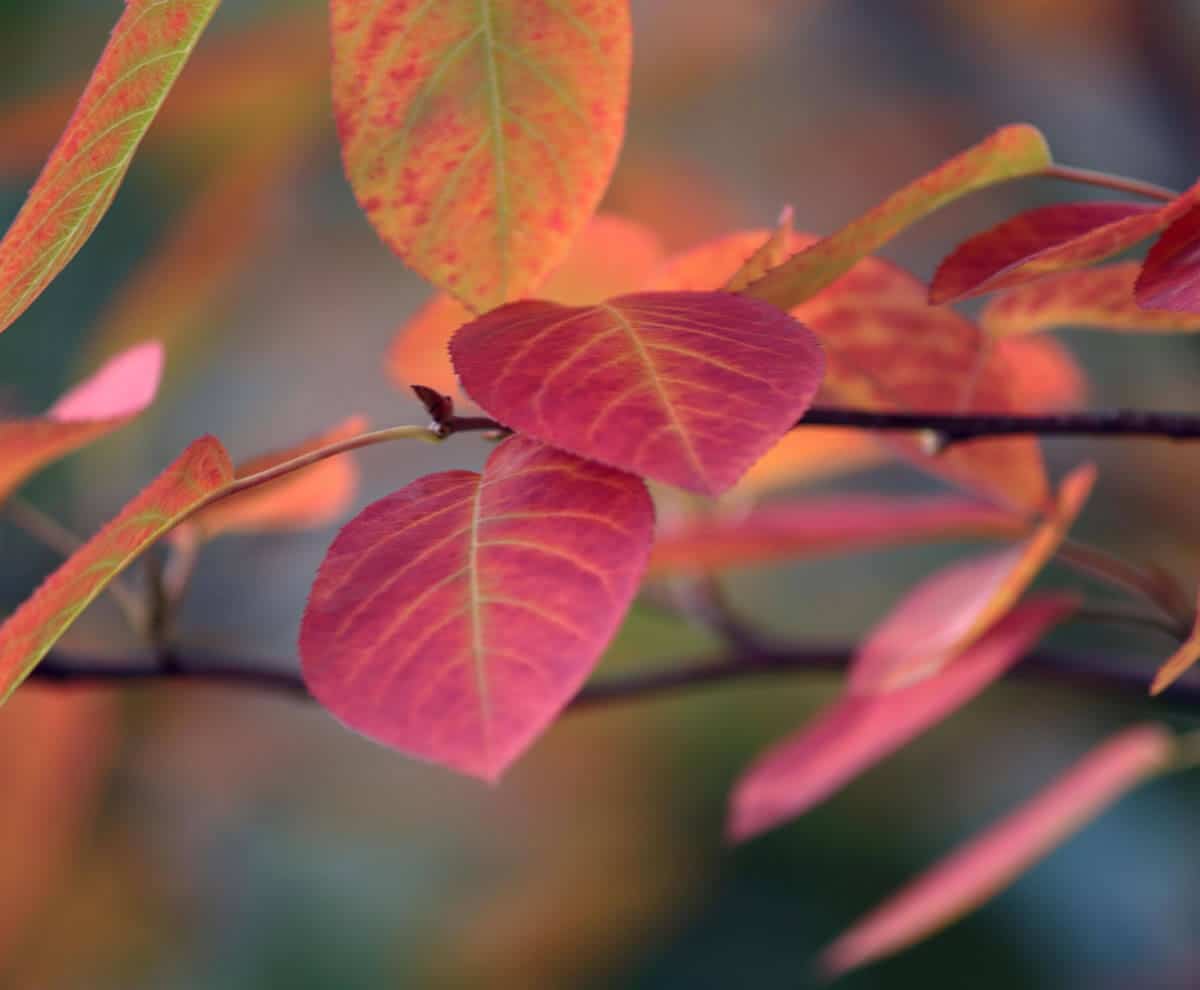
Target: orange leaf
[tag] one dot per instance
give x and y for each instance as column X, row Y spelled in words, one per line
column 1180, row 661
column 987, row 864
column 479, row 138
column 30, row 632
column 1100, row 298
column 818, row 526
column 807, row 454
column 773, row 252
column 148, row 48
column 109, row 399
column 1011, row 152
column 944, row 614
column 611, row 257
column 312, row 496
column 1038, row 373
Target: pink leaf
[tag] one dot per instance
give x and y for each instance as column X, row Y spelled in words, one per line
column 1170, row 278
column 689, row 388
column 455, row 618
column 859, row 730
column 123, row 387
column 988, row 863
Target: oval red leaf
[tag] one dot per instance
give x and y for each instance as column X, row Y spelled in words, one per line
column 1170, row 277
column 453, row 619
column 689, row 388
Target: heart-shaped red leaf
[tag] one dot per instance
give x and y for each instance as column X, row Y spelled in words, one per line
column 1170, row 277
column 689, row 388
column 453, row 619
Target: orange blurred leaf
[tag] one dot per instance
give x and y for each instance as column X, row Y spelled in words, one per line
column 807, row 454
column 982, row 867
column 1182, row 660
column 772, row 253
column 479, row 138
column 148, row 48
column 29, row 633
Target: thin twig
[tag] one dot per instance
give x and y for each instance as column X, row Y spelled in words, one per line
column 1105, row 180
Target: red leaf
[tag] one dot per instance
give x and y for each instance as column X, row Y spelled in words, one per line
column 109, row 399
column 1045, row 240
column 987, row 864
column 1170, row 278
column 453, row 619
column 479, row 138
column 29, row 633
column 859, row 730
column 819, row 526
column 685, row 388
column 148, row 48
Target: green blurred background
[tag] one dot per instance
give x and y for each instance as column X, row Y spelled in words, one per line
column 200, row 837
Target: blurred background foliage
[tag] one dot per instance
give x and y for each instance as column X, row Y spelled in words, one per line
column 192, row 837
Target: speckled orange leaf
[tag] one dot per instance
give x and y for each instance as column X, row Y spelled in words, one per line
column 611, row 257
column 1180, row 662
column 148, row 48
column 312, row 496
column 982, row 867
column 479, row 135
column 821, row 525
column 1096, row 298
column 109, row 399
column 945, row 613
column 1048, row 239
column 688, row 388
column 455, row 618
column 1009, row 153
column 29, row 633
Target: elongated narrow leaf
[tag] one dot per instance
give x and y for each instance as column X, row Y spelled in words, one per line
column 1098, row 298
column 148, row 48
column 1170, row 278
column 1181, row 661
column 944, row 614
column 479, row 137
column 859, row 730
column 1009, row 153
column 453, row 619
column 110, row 398
column 771, row 253
column 819, row 526
column 28, row 634
column 689, row 388
column 312, row 496
column 612, row 256
column 987, row 864
column 808, row 454
column 1048, row 239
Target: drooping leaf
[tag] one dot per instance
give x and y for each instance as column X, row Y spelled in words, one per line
column 1170, row 278
column 312, row 496
column 689, row 388
column 29, row 633
column 821, row 525
column 1099, row 298
column 148, row 48
column 1181, row 661
column 1011, row 152
column 454, row 619
column 988, row 863
column 611, row 257
column 859, row 730
column 808, row 454
column 1045, row 240
column 110, row 398
column 479, row 137
column 944, row 614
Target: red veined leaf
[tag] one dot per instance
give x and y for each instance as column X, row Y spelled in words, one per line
column 479, row 138
column 1182, row 660
column 689, row 388
column 822, row 525
column 1170, row 277
column 944, row 614
column 807, row 454
column 611, row 257
column 148, row 48
column 859, row 730
column 1048, row 239
column 29, row 633
column 1101, row 298
column 312, row 496
column 985, row 865
column 1011, row 152
column 455, row 618
column 110, row 398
